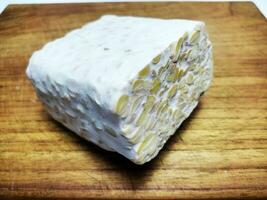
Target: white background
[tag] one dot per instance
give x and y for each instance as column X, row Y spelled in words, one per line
column 261, row 4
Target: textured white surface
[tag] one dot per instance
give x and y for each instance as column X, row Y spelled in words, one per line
column 88, row 80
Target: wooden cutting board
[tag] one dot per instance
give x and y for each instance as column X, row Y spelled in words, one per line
column 219, row 152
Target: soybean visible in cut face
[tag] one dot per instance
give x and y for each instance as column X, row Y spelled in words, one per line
column 156, row 59
column 195, row 36
column 172, row 76
column 150, row 136
column 144, row 72
column 121, row 104
column 172, row 91
column 142, row 118
column 155, row 86
column 140, row 85
column 179, row 45
column 135, row 103
column 179, row 73
column 149, row 103
column 185, row 36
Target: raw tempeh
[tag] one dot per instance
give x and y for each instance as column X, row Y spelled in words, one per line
column 124, row 83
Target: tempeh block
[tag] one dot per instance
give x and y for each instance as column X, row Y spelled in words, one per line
column 124, row 83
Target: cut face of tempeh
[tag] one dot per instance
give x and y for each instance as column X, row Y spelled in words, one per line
column 125, row 83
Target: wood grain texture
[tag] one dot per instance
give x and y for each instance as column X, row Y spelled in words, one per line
column 219, row 152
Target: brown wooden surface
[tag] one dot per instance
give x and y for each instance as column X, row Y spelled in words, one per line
column 219, row 152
